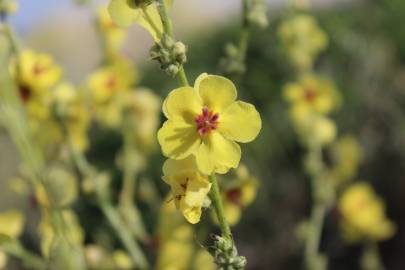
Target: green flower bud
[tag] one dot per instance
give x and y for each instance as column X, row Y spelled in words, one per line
column 226, row 255
column 172, row 70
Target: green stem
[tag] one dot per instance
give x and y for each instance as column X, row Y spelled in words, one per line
column 29, row 259
column 319, row 208
column 112, row 215
column 150, row 21
column 12, row 39
column 244, row 35
column 371, row 259
column 216, row 199
column 128, row 208
column 168, row 29
column 125, row 235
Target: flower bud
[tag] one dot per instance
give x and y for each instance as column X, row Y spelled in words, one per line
column 226, row 255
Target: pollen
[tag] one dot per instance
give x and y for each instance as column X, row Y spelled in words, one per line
column 206, row 121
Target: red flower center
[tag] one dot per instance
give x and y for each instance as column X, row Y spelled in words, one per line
column 25, row 93
column 234, row 195
column 206, row 121
column 310, row 94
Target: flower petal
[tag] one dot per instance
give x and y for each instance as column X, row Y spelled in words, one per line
column 182, row 104
column 151, row 21
column 191, row 213
column 240, row 122
column 216, row 92
column 199, row 79
column 122, row 14
column 171, row 166
column 178, row 139
column 217, row 153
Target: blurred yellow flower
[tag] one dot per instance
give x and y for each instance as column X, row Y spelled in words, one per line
column 143, row 108
column 144, row 13
column 114, row 36
column 107, row 87
column 363, row 215
column 205, row 122
column 316, row 130
column 189, row 186
column 107, row 82
column 11, row 223
column 177, row 245
column 35, row 74
column 238, row 194
column 346, row 154
column 70, row 105
column 302, row 39
column 311, row 94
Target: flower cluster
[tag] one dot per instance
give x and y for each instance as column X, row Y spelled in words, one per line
column 363, row 215
column 302, row 39
column 238, row 194
column 176, row 243
column 312, row 99
column 143, row 13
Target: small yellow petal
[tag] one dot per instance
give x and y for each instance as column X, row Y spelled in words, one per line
column 216, row 92
column 217, row 153
column 122, row 14
column 182, row 103
column 171, row 166
column 178, row 139
column 240, row 122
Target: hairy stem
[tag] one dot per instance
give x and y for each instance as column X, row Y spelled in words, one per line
column 216, row 199
column 168, row 29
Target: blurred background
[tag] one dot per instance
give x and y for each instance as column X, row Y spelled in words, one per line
column 365, row 58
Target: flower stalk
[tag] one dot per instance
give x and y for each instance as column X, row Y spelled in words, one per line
column 168, row 29
column 216, row 199
column 111, row 213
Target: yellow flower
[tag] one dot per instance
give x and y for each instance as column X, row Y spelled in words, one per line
column 107, row 87
column 108, row 82
column 311, row 94
column 346, row 154
column 316, row 129
column 205, row 122
column 36, row 73
column 113, row 35
column 302, row 39
column 363, row 214
column 70, row 106
column 11, row 223
column 189, row 186
column 143, row 106
column 125, row 13
column 177, row 244
column 238, row 194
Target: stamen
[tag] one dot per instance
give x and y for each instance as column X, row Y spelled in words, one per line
column 206, row 121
